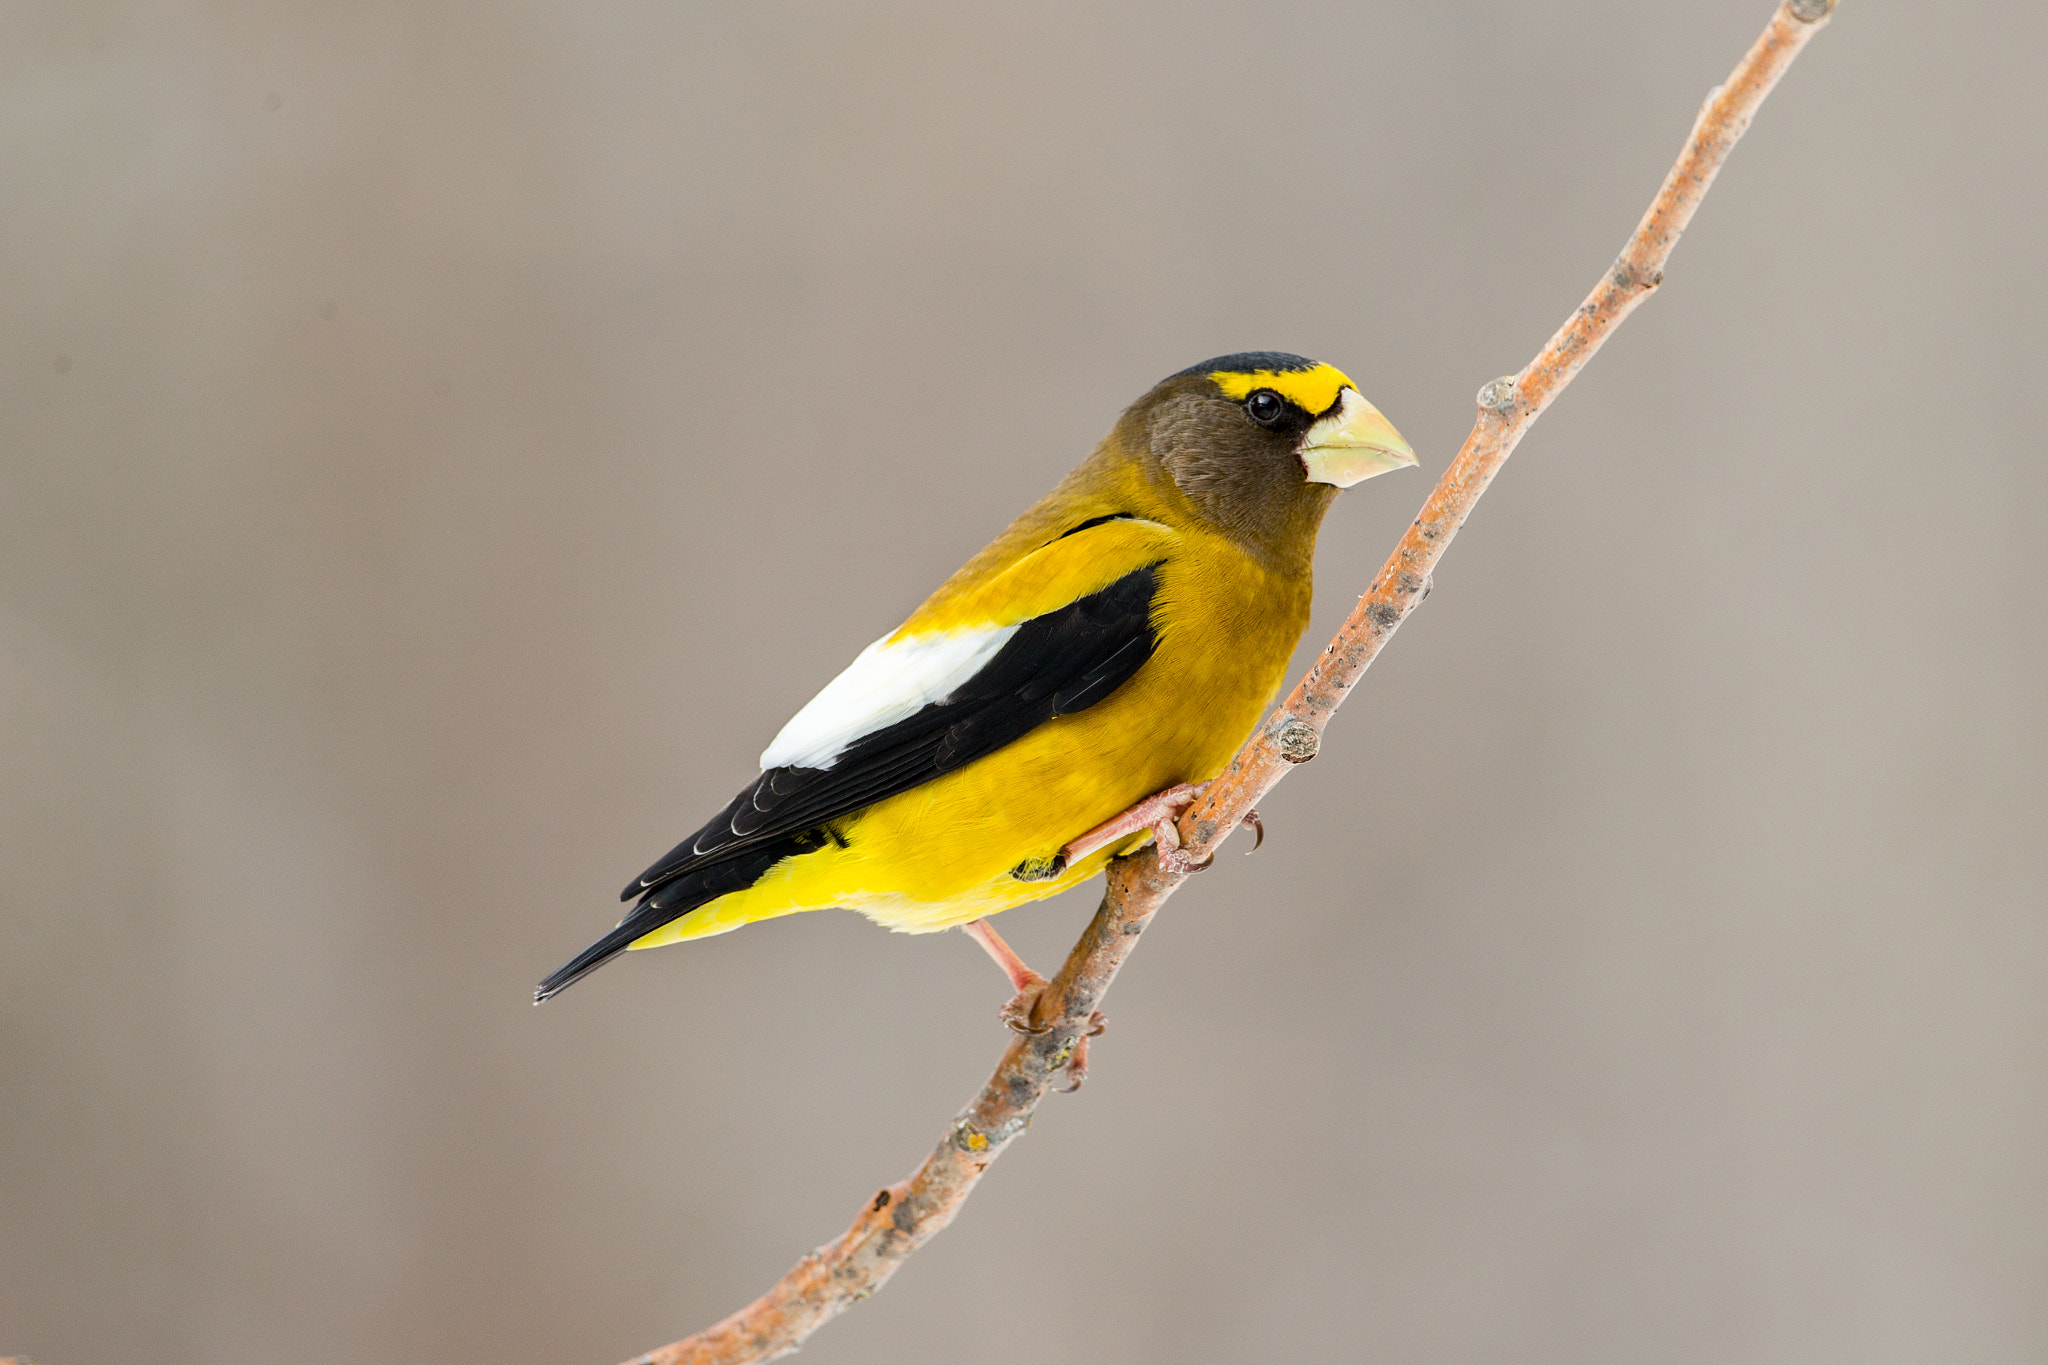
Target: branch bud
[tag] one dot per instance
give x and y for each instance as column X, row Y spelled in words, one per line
column 1297, row 741
column 1499, row 394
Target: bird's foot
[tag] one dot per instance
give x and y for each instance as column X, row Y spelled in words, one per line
column 1157, row 810
column 1020, row 1011
column 1029, row 985
column 1077, row 1064
column 1017, row 1010
column 1161, row 814
column 1172, row 857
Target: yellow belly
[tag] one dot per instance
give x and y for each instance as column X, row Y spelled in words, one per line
column 942, row 854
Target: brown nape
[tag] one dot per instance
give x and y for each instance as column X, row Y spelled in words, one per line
column 1243, row 479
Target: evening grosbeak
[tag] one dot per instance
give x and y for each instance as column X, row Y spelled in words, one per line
column 1117, row 642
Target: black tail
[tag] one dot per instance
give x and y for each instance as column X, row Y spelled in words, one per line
column 670, row 901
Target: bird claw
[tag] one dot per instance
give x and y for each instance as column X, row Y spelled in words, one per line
column 1017, row 1010
column 1161, row 807
column 1161, row 813
column 1077, row 1065
column 1172, row 857
column 1166, row 835
column 1257, row 826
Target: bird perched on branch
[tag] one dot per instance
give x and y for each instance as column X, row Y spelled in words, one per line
column 1058, row 700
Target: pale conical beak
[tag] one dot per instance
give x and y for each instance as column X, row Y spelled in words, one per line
column 1352, row 444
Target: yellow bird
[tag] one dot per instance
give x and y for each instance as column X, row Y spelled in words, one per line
column 1058, row 700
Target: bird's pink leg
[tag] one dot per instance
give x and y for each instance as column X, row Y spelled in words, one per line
column 1156, row 812
column 1027, row 984
column 1160, row 813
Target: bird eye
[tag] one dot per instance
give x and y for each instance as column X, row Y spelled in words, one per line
column 1266, row 407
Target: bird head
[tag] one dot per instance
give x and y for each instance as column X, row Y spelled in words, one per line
column 1260, row 442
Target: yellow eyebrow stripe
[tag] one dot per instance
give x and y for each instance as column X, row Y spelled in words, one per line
column 1314, row 390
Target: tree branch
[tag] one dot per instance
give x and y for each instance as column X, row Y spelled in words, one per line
column 902, row 1218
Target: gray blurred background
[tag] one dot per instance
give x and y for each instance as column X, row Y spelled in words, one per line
column 440, row 444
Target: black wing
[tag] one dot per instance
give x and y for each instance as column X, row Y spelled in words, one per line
column 1055, row 665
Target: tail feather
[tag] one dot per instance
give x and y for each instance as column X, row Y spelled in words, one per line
column 671, row 901
column 591, row 958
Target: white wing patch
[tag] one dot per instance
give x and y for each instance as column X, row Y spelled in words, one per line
column 890, row 681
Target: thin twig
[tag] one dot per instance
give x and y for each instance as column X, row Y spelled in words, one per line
column 903, row 1217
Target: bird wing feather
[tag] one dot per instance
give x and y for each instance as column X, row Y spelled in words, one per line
column 1055, row 633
